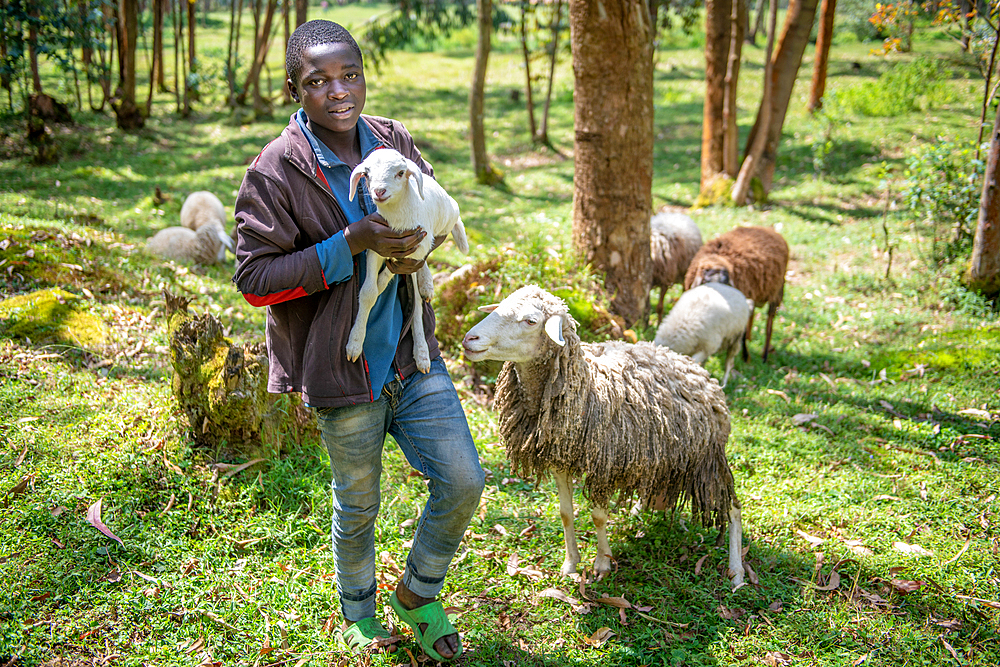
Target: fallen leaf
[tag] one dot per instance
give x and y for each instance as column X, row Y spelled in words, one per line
column 557, row 594
column 776, row 392
column 885, row 496
column 974, row 412
column 195, row 646
column 231, row 469
column 803, row 418
column 860, row 660
column 953, row 624
column 44, row 596
column 500, row 530
column 776, row 658
column 728, row 614
column 812, row 539
column 617, row 602
column 94, row 518
column 697, row 566
column 858, row 548
column 832, row 582
column 600, row 637
column 912, row 549
column 950, row 648
column 776, row 606
column 56, row 511
column 905, row 586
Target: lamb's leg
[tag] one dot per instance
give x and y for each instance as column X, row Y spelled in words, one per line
column 566, row 514
column 421, row 355
column 425, row 282
column 366, row 299
column 734, row 345
column 771, row 310
column 602, row 564
column 736, row 546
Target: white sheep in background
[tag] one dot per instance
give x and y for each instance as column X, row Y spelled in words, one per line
column 407, row 200
column 202, row 209
column 673, row 241
column 632, row 419
column 182, row 244
column 706, row 319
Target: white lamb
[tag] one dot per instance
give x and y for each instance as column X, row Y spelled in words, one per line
column 204, row 208
column 182, row 244
column 706, row 319
column 628, row 419
column 407, row 201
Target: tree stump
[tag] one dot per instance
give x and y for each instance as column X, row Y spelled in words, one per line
column 222, row 388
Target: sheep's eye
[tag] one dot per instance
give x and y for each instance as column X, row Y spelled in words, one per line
column 530, row 321
column 400, row 173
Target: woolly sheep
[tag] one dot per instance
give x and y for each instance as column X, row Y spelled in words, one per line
column 204, row 208
column 706, row 319
column 184, row 245
column 626, row 418
column 751, row 259
column 407, row 201
column 674, row 239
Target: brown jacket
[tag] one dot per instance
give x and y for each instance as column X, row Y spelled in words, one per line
column 283, row 209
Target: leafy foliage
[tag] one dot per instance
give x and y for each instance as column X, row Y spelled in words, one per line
column 942, row 184
column 916, row 85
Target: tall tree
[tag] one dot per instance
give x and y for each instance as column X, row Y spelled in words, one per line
column 718, row 21
column 730, row 140
column 301, row 12
column 485, row 172
column 262, row 43
column 127, row 112
column 158, row 68
column 823, row 39
column 984, row 268
column 784, row 69
column 191, row 90
column 748, row 169
column 613, row 171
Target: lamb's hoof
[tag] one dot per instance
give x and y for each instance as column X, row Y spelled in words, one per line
column 354, row 350
column 602, row 566
column 568, row 568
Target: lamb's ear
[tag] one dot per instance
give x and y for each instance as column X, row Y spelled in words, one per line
column 418, row 176
column 489, row 308
column 356, row 175
column 553, row 327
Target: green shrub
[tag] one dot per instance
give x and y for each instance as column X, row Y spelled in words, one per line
column 942, row 185
column 917, row 85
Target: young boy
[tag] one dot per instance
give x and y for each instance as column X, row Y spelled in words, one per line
column 300, row 253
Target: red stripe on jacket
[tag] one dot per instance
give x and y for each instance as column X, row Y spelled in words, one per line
column 277, row 297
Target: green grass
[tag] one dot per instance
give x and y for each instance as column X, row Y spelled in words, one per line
column 876, row 420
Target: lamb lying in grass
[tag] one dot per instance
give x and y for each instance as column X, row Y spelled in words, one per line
column 202, row 209
column 627, row 419
column 407, row 200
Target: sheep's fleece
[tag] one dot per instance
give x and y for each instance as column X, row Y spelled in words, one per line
column 625, row 418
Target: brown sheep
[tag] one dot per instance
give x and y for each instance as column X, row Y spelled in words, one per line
column 751, row 259
column 674, row 239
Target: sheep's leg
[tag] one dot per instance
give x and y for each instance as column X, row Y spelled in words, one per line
column 659, row 307
column 771, row 310
column 602, row 564
column 734, row 345
column 425, row 282
column 566, row 514
column 750, row 324
column 366, row 299
column 699, row 357
column 736, row 546
column 384, row 276
column 420, row 353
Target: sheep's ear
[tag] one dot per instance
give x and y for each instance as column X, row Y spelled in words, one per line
column 488, row 308
column 356, row 175
column 418, row 176
column 553, row 327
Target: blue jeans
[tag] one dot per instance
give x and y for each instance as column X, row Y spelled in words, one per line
column 424, row 416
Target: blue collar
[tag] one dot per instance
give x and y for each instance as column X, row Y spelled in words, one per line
column 326, row 157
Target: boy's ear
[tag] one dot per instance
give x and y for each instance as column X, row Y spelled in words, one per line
column 292, row 90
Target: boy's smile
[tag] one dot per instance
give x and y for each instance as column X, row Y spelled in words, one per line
column 331, row 89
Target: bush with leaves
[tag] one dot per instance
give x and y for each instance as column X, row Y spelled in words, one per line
column 916, row 85
column 942, row 185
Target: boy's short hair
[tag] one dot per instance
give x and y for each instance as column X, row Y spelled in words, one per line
column 314, row 33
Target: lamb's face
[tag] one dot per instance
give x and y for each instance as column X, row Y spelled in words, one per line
column 388, row 173
column 518, row 329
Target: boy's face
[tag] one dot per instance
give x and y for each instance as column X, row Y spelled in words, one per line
column 331, row 87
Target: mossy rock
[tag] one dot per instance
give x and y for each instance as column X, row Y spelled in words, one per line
column 52, row 316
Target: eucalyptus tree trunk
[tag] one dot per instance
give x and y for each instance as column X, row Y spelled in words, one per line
column 613, row 147
column 129, row 115
column 758, row 22
column 730, row 140
column 301, row 12
column 785, row 67
column 485, row 172
column 718, row 19
column 262, row 43
column 823, row 39
column 984, row 267
column 543, row 132
column 158, row 69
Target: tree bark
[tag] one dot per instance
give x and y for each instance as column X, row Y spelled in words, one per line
column 36, row 80
column 526, row 54
column 613, row 124
column 485, row 172
column 823, row 39
column 261, row 46
column 129, row 115
column 758, row 22
column 192, row 59
column 543, row 133
column 730, row 140
column 755, row 147
column 785, row 67
column 286, row 95
column 301, row 12
column 158, row 68
column 984, row 267
column 718, row 19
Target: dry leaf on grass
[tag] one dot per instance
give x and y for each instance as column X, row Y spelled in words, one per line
column 776, row 659
column 514, row 568
column 94, row 518
column 600, row 637
column 912, row 549
column 697, row 566
column 728, row 614
column 576, row 605
column 858, row 548
column 950, row 648
column 812, row 539
column 231, row 469
column 803, row 418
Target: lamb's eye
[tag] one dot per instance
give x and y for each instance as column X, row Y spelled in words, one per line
column 530, row 321
column 400, row 173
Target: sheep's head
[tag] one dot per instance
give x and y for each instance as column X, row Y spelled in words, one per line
column 713, row 269
column 520, row 328
column 388, row 173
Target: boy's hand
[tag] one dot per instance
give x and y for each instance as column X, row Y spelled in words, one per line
column 407, row 265
column 372, row 233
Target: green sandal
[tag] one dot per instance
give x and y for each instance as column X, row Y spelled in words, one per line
column 438, row 625
column 366, row 634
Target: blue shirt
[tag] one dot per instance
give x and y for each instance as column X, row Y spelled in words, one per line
column 385, row 322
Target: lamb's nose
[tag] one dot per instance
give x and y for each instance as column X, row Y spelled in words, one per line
column 380, row 192
column 468, row 339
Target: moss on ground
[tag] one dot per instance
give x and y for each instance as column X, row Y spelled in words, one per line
column 52, row 316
